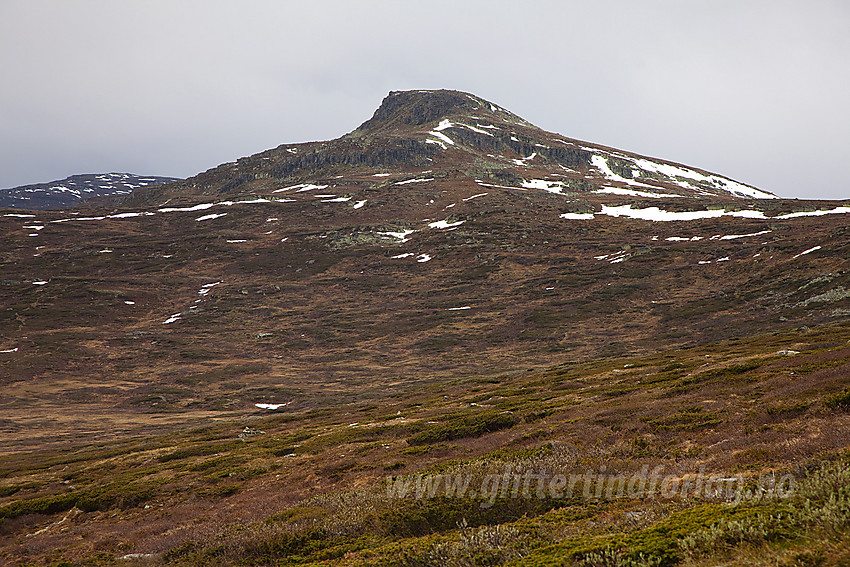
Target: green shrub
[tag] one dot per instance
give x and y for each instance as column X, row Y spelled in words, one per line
column 687, row 419
column 117, row 494
column 219, row 491
column 839, row 400
column 44, row 505
column 788, row 410
column 468, row 425
column 262, row 543
column 226, row 461
column 487, row 545
column 818, row 507
column 194, row 451
column 611, row 557
column 11, row 489
column 415, row 518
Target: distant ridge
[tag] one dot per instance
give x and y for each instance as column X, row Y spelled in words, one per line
column 76, row 189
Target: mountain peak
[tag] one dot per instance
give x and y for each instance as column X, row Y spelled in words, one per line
column 415, row 108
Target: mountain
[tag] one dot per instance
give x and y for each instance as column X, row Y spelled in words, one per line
column 462, row 138
column 76, row 190
column 225, row 369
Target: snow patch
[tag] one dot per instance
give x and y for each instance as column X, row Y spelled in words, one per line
column 79, row 219
column 721, row 183
column 614, row 258
column 272, row 407
column 437, row 132
column 439, row 143
column 445, row 224
column 211, row 216
column 201, row 207
column 523, row 160
column 499, row 186
column 421, row 180
column 601, row 163
column 660, row 215
column 401, row 236
column 633, row 193
column 818, row 213
column 736, row 236
column 474, row 129
column 809, row 251
column 311, row 187
column 550, row 186
column 130, row 215
column 300, row 187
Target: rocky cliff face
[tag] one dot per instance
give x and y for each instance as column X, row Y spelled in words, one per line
column 402, row 109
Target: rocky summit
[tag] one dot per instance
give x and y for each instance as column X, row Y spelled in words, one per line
column 447, row 283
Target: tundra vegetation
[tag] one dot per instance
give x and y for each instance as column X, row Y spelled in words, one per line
column 360, row 483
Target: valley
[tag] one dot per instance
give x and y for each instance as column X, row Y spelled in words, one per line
column 226, row 369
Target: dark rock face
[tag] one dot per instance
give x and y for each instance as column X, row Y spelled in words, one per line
column 415, row 108
column 352, row 153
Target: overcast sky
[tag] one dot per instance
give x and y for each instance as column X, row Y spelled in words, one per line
column 755, row 90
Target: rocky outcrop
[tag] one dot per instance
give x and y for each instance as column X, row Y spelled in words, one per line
column 415, row 108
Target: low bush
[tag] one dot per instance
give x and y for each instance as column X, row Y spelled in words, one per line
column 194, row 451
column 467, row 425
column 839, row 400
column 105, row 497
column 687, row 419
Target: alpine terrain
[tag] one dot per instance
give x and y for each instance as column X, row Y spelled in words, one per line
column 76, row 190
column 449, row 337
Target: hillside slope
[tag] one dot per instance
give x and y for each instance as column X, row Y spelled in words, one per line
column 445, row 286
